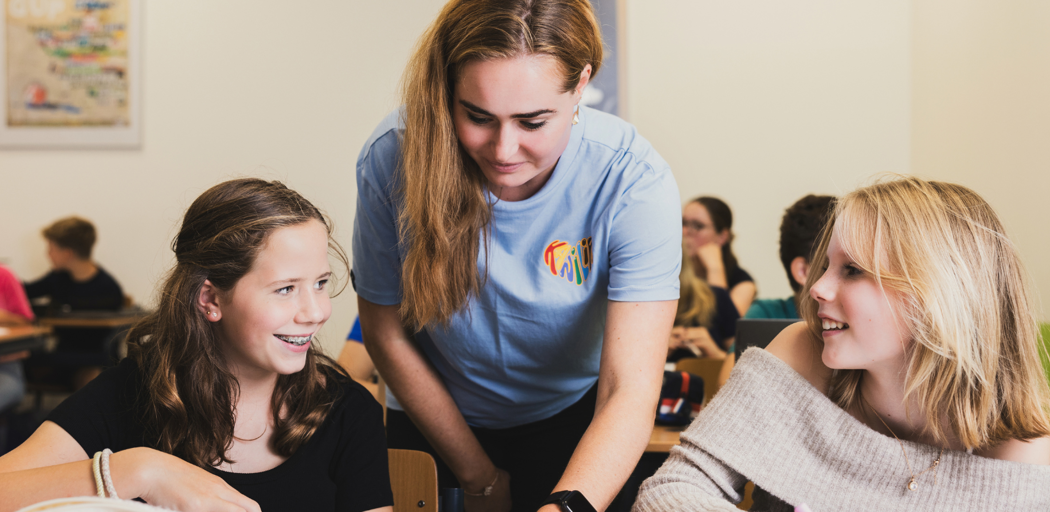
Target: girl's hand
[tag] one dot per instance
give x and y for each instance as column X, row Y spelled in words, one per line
column 677, row 339
column 700, row 338
column 497, row 501
column 167, row 481
column 713, row 268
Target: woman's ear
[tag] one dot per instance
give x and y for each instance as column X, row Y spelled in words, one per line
column 585, row 78
column 723, row 237
column 208, row 302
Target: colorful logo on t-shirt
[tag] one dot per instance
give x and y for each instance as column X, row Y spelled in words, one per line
column 570, row 262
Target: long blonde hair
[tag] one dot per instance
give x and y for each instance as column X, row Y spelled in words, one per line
column 696, row 303
column 446, row 212
column 966, row 300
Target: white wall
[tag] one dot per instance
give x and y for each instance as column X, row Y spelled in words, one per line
column 761, row 102
column 982, row 112
column 757, row 101
column 233, row 88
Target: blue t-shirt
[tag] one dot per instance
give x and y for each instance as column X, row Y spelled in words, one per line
column 606, row 226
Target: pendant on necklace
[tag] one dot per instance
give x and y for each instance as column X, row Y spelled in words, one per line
column 912, row 485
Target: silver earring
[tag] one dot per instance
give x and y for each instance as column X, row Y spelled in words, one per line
column 212, row 313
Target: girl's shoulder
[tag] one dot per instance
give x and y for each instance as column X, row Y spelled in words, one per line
column 797, row 347
column 1035, row 451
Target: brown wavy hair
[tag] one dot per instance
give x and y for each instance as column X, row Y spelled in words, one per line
column 966, row 301
column 446, row 213
column 190, row 393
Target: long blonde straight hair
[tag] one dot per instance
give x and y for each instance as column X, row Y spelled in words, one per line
column 966, row 300
column 696, row 305
column 446, row 212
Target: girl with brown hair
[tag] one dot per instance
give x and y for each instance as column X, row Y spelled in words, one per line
column 914, row 384
column 516, row 259
column 223, row 402
column 707, row 231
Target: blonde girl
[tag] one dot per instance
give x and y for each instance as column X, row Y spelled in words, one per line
column 914, row 383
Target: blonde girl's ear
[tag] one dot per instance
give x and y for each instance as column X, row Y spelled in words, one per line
column 208, row 302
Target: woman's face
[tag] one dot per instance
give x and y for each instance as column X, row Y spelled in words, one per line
column 860, row 327
column 514, row 120
column 697, row 228
column 269, row 318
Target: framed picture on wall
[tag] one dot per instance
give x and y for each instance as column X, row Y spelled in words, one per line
column 606, row 92
column 71, row 73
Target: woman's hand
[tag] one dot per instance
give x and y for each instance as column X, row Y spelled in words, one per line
column 710, row 256
column 700, row 338
column 167, row 481
column 497, row 501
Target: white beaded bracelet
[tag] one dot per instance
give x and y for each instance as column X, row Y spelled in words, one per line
column 107, row 478
column 98, row 474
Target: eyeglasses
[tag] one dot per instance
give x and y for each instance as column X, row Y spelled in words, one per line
column 692, row 225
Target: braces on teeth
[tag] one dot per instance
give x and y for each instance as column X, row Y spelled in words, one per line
column 295, row 340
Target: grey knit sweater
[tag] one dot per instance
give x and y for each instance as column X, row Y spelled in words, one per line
column 770, row 426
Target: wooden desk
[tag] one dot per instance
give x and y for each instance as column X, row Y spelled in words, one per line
column 664, row 437
column 23, row 337
column 112, row 320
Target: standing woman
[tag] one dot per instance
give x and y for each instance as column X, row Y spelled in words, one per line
column 516, row 259
column 707, row 231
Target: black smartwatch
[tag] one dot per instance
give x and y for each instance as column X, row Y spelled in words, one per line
column 569, row 501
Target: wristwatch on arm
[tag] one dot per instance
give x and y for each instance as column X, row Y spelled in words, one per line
column 569, row 501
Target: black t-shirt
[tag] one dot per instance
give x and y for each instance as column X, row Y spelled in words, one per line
column 342, row 467
column 723, row 321
column 738, row 276
column 98, row 293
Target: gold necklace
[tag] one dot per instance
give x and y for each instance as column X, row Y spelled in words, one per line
column 912, row 485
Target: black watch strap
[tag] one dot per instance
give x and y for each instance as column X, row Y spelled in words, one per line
column 570, row 501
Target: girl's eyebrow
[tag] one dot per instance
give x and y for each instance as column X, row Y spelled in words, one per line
column 295, row 280
column 528, row 115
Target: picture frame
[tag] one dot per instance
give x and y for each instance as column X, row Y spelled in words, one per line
column 607, row 92
column 71, row 74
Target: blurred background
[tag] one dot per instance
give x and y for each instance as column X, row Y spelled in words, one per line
column 758, row 102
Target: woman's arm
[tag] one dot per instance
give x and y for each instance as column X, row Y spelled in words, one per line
column 51, row 464
column 632, row 360
column 743, row 294
column 420, row 391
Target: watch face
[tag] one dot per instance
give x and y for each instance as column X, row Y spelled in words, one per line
column 575, row 502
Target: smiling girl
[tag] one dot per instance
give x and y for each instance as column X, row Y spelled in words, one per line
column 223, row 403
column 915, row 382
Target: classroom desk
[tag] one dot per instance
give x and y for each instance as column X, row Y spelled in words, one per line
column 93, row 319
column 664, row 437
column 23, row 337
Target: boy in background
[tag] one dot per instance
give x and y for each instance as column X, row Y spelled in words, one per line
column 75, row 281
column 799, row 230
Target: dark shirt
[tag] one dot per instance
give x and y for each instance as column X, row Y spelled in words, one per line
column 101, row 292
column 723, row 322
column 342, row 467
column 737, row 276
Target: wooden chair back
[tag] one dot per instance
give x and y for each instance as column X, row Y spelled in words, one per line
column 705, row 367
column 414, row 481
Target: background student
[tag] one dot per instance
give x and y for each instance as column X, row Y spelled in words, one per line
column 75, row 282
column 799, row 231
column 707, row 232
column 224, row 402
column 14, row 310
